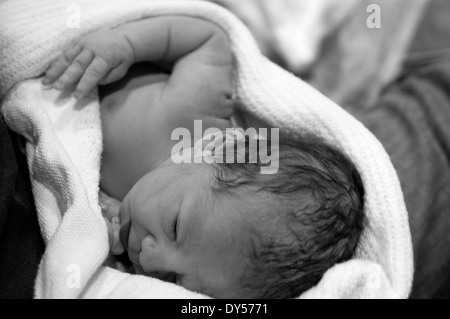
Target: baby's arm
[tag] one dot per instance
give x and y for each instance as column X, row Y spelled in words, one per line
column 200, row 53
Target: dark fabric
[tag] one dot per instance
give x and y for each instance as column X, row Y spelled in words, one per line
column 412, row 121
column 434, row 30
column 21, row 244
column 432, row 41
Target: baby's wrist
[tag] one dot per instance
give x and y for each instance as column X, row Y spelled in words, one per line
column 122, row 32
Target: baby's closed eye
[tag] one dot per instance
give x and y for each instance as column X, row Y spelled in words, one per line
column 174, row 228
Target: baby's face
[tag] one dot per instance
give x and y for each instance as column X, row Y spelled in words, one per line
column 175, row 229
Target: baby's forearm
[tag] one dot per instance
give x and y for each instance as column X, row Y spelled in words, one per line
column 167, row 39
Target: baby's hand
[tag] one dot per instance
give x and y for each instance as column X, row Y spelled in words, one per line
column 100, row 58
column 116, row 247
column 110, row 210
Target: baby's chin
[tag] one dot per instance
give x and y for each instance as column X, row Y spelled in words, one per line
column 167, row 277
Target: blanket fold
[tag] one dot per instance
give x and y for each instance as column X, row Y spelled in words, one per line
column 64, row 149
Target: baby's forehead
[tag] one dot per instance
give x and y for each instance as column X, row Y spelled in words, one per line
column 201, row 183
column 189, row 180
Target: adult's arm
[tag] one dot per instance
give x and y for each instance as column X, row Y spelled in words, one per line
column 412, row 121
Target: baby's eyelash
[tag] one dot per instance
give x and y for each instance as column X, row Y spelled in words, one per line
column 174, row 226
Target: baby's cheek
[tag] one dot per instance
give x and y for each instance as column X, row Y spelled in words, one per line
column 134, row 245
column 143, row 221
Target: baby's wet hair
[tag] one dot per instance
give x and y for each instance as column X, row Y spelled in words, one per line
column 319, row 217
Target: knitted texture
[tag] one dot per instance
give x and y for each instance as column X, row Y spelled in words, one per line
column 64, row 148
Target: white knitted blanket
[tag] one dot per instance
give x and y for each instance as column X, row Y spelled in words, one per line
column 64, row 148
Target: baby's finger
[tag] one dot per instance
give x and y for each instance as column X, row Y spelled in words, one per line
column 72, row 53
column 110, row 209
column 93, row 75
column 59, row 65
column 55, row 70
column 75, row 71
column 117, row 248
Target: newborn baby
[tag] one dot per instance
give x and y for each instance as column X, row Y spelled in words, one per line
column 221, row 229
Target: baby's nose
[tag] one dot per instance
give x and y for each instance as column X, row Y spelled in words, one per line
column 149, row 243
column 152, row 257
column 156, row 259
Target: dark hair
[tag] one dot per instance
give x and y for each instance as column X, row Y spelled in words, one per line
column 319, row 221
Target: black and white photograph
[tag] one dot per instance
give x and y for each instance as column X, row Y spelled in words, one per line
column 224, row 153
